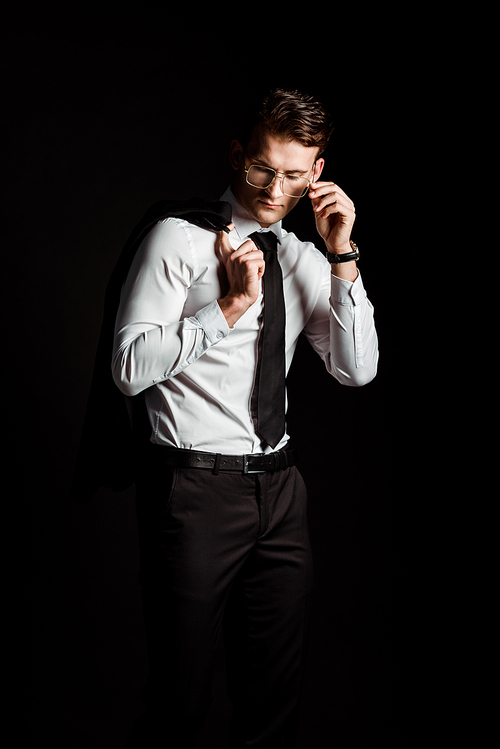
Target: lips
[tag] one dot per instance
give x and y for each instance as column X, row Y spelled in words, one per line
column 270, row 205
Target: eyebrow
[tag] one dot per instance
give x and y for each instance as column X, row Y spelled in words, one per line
column 288, row 171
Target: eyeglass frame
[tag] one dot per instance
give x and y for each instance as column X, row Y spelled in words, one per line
column 282, row 178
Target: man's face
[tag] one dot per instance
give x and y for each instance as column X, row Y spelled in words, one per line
column 270, row 205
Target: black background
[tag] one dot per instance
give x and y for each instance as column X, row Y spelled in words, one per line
column 106, row 116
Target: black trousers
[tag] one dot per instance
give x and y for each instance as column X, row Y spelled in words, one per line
column 222, row 552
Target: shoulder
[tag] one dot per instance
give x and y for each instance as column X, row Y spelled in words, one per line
column 175, row 237
column 168, row 232
column 295, row 252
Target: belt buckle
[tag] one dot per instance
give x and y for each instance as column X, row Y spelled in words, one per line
column 245, row 466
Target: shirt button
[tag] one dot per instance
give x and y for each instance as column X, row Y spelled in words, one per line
column 220, row 334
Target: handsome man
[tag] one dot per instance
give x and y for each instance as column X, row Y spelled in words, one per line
column 221, row 506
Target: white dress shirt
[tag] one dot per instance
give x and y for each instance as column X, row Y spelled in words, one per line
column 173, row 342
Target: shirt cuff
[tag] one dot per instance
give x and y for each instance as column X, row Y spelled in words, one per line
column 213, row 322
column 350, row 293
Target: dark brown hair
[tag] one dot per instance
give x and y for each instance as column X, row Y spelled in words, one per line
column 292, row 115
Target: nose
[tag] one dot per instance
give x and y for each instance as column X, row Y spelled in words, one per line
column 275, row 190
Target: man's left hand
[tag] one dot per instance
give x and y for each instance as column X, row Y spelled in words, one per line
column 334, row 213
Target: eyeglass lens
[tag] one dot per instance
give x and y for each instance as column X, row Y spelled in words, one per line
column 261, row 176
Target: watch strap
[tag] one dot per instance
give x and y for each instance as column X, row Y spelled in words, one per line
column 345, row 257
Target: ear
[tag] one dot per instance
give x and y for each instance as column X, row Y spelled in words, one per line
column 236, row 151
column 320, row 163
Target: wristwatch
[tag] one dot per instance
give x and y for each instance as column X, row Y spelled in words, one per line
column 333, row 257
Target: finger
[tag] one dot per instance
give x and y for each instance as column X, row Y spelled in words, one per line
column 248, row 260
column 246, row 248
column 328, row 189
column 335, row 197
column 333, row 204
column 322, row 189
column 224, row 244
column 246, row 265
column 225, row 247
column 345, row 218
column 318, row 188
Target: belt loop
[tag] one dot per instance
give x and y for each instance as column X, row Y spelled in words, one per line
column 216, row 467
column 245, row 463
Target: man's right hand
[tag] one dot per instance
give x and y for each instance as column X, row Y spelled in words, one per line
column 244, row 269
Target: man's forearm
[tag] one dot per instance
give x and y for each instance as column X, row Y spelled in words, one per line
column 345, row 271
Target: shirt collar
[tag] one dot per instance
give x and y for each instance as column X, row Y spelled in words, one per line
column 243, row 222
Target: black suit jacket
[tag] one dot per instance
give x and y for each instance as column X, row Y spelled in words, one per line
column 116, row 425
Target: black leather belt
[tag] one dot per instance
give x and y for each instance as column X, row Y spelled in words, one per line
column 252, row 463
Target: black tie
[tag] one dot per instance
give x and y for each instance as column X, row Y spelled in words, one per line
column 271, row 372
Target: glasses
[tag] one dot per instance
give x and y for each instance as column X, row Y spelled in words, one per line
column 263, row 177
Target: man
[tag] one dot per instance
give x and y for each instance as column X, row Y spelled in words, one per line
column 221, row 506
